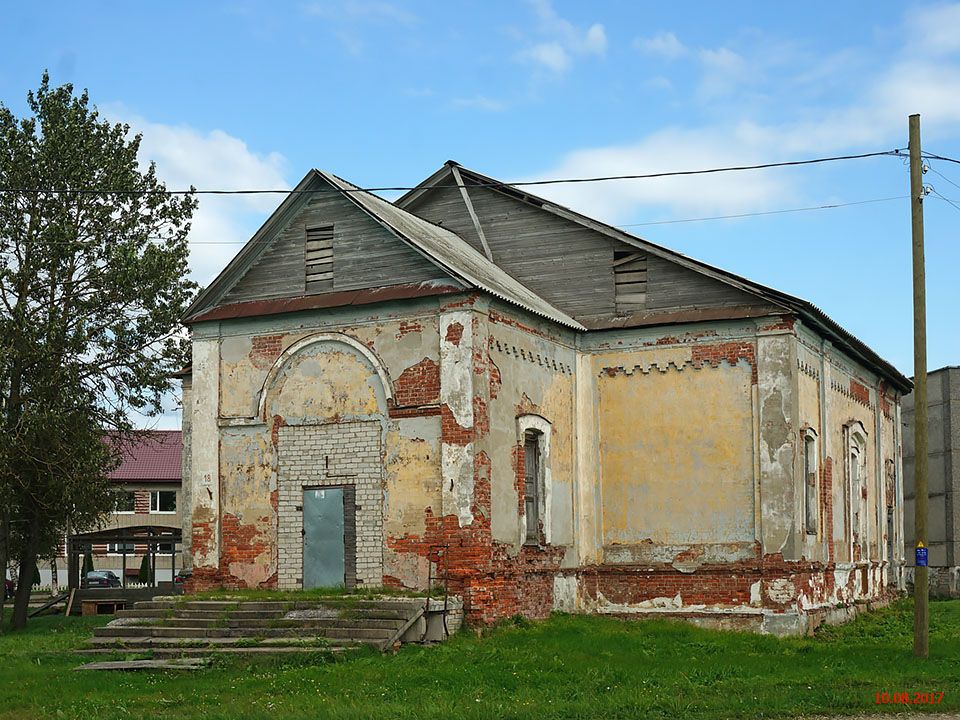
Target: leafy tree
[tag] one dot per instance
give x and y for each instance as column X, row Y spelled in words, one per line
column 93, row 279
column 87, row 563
column 144, row 576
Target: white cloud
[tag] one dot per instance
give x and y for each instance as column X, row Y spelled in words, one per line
column 664, row 45
column 924, row 77
column 212, row 160
column 362, row 11
column 667, row 150
column 480, row 102
column 552, row 56
column 659, row 82
column 564, row 40
column 723, row 72
column 934, row 30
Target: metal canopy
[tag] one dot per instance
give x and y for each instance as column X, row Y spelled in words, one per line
column 153, row 536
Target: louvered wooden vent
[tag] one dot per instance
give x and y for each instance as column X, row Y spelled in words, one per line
column 318, row 258
column 630, row 280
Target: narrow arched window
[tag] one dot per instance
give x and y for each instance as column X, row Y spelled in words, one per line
column 533, row 439
column 811, row 504
column 532, row 485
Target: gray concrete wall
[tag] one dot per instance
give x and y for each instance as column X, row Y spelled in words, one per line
column 943, row 520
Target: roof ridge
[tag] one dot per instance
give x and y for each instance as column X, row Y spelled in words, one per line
column 790, row 303
column 459, row 245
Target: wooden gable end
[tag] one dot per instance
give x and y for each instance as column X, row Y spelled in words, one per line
column 582, row 271
column 330, row 245
column 671, row 286
column 566, row 264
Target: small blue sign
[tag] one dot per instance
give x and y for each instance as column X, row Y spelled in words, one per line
column 921, row 557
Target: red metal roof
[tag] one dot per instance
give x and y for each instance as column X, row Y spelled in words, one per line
column 154, row 457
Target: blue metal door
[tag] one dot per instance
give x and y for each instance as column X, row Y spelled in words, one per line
column 323, row 546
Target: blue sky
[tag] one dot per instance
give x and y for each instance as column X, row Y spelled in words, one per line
column 253, row 94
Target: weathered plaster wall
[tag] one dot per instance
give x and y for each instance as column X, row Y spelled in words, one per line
column 836, row 394
column 475, row 538
column 532, row 374
column 268, row 373
column 676, row 446
column 186, row 459
column 674, row 470
column 205, row 458
column 778, row 432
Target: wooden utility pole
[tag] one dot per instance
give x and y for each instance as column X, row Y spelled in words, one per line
column 921, row 578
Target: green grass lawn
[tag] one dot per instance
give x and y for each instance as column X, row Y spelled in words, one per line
column 566, row 667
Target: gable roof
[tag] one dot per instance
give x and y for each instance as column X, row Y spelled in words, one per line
column 807, row 311
column 153, row 457
column 450, row 252
column 443, row 248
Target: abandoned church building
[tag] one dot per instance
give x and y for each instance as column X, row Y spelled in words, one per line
column 474, row 384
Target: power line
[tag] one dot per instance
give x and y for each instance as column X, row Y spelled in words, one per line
column 826, row 206
column 945, row 199
column 829, row 206
column 931, row 156
column 557, row 181
column 937, row 172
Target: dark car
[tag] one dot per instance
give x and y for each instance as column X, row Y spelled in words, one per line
column 8, row 589
column 101, row 579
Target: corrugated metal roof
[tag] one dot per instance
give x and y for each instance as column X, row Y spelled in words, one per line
column 804, row 308
column 154, row 456
column 451, row 252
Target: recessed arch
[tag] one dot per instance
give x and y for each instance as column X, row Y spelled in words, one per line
column 319, row 338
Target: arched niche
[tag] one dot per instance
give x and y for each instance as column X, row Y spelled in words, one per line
column 325, row 377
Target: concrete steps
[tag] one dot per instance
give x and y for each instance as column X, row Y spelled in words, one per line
column 171, row 627
column 355, row 631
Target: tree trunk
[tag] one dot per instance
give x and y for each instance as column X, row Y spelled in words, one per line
column 28, row 564
column 4, row 556
column 54, row 581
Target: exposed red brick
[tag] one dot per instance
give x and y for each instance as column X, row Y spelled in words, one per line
column 454, row 333
column 141, row 501
column 278, row 422
column 519, row 484
column 265, row 350
column 784, row 323
column 859, row 392
column 411, row 412
column 496, row 382
column 526, row 406
column 240, row 543
column 407, row 327
column 481, row 419
column 469, row 301
column 501, row 319
column 492, row 583
column 418, row 385
column 730, row 352
column 452, row 432
column 826, row 502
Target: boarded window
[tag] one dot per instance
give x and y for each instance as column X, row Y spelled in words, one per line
column 531, row 486
column 318, row 259
column 630, row 281
column 811, row 505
